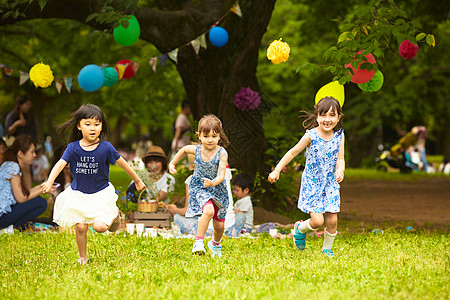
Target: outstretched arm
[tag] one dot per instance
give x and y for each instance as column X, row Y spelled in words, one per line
column 188, row 149
column 340, row 163
column 59, row 166
column 223, row 161
column 124, row 165
column 293, row 152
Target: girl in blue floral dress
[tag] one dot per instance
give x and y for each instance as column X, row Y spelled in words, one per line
column 208, row 194
column 324, row 170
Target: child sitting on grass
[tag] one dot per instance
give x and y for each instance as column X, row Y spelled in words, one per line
column 242, row 187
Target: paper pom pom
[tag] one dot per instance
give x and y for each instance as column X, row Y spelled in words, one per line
column 124, row 68
column 247, row 99
column 110, row 76
column 407, row 50
column 278, row 52
column 362, row 75
column 373, row 84
column 41, row 75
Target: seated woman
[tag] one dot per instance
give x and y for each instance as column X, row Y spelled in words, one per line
column 155, row 161
column 19, row 202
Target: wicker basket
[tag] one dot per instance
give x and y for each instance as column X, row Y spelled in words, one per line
column 145, row 205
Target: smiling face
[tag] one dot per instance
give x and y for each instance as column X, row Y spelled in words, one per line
column 90, row 129
column 154, row 166
column 210, row 139
column 328, row 120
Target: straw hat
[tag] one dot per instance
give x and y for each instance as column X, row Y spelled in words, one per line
column 154, row 151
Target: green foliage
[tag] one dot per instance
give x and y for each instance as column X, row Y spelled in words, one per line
column 393, row 265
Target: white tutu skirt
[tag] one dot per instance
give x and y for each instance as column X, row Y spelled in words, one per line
column 72, row 207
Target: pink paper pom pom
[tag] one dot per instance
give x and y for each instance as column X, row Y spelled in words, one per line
column 246, row 99
column 407, row 50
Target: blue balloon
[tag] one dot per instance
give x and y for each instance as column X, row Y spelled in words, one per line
column 91, row 78
column 218, row 36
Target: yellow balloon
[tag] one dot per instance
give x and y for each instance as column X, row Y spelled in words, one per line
column 332, row 89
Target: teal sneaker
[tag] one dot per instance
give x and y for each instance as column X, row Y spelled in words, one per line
column 328, row 252
column 215, row 250
column 299, row 238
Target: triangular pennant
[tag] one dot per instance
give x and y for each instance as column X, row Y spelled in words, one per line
column 104, row 65
column 68, row 82
column 121, row 69
column 202, row 40
column 59, row 85
column 174, row 55
column 23, row 77
column 135, row 66
column 237, row 9
column 8, row 71
column 163, row 59
column 152, row 61
column 196, row 45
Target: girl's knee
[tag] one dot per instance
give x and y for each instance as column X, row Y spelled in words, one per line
column 81, row 227
column 317, row 220
column 208, row 210
column 100, row 227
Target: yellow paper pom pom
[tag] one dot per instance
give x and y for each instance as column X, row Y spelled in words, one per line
column 278, row 52
column 41, row 75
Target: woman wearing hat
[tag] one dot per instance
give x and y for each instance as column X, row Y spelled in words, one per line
column 155, row 161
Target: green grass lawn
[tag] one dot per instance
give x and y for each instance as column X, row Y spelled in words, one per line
column 393, row 265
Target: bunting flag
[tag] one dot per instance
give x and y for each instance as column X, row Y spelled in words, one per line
column 23, row 77
column 59, row 85
column 163, row 59
column 196, row 45
column 8, row 71
column 152, row 61
column 174, row 55
column 135, row 66
column 236, row 9
column 202, row 40
column 121, row 69
column 68, row 82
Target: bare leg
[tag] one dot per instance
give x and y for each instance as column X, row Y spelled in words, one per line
column 331, row 221
column 81, row 238
column 100, row 226
column 208, row 213
column 219, row 228
column 316, row 220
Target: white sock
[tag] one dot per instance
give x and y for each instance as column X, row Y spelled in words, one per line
column 328, row 239
column 304, row 226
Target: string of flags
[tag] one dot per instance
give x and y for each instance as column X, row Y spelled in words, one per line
column 43, row 76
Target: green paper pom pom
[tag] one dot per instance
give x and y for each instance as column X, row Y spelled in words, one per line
column 110, row 76
column 373, row 84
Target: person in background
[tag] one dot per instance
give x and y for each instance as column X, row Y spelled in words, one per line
column 182, row 128
column 19, row 202
column 19, row 120
column 242, row 187
column 48, row 147
column 40, row 166
column 2, row 148
column 155, row 161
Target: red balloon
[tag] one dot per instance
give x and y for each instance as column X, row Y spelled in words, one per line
column 361, row 76
column 126, row 70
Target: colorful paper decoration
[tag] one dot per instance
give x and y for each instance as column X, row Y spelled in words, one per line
column 278, row 51
column 127, row 36
column 91, row 78
column 41, row 75
column 247, row 99
column 407, row 50
column 110, row 76
column 124, row 68
column 333, row 89
column 218, row 36
column 373, row 84
column 362, row 75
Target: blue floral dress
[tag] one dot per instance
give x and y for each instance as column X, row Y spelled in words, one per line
column 199, row 194
column 319, row 191
column 7, row 170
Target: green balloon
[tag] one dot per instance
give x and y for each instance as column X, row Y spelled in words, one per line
column 373, row 84
column 127, row 36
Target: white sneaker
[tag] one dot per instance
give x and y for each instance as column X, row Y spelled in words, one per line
column 8, row 230
column 215, row 250
column 199, row 249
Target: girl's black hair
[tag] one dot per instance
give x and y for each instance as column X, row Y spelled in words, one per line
column 211, row 122
column 86, row 111
column 21, row 143
column 323, row 106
